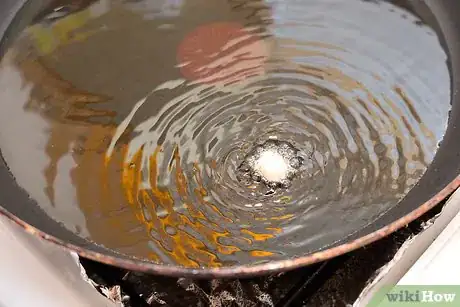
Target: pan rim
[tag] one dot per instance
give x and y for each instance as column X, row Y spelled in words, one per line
column 238, row 271
column 248, row 270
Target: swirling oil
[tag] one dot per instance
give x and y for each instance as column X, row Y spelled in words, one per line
column 183, row 94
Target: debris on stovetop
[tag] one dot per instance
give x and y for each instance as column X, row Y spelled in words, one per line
column 334, row 283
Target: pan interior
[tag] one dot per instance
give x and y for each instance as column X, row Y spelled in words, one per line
column 214, row 133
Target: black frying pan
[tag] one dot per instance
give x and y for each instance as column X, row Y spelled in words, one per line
column 338, row 225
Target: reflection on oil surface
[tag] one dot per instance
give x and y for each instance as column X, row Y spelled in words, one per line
column 135, row 122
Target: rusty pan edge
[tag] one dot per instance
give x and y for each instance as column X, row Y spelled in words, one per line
column 275, row 266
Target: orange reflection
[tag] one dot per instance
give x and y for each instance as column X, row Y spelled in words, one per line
column 171, row 229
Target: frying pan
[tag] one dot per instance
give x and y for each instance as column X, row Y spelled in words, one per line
column 440, row 179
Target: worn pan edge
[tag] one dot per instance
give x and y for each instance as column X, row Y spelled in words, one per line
column 271, row 267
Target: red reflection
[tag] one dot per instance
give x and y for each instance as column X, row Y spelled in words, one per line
column 221, row 52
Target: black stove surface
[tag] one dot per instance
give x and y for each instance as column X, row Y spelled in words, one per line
column 334, row 283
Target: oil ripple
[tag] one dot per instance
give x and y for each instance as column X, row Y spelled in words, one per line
column 337, row 96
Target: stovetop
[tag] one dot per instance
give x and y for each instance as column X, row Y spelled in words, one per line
column 334, row 283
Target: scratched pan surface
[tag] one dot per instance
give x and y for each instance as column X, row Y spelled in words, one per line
column 132, row 131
